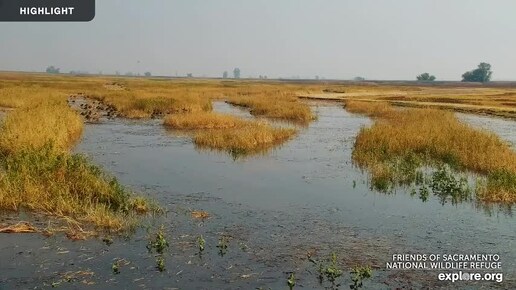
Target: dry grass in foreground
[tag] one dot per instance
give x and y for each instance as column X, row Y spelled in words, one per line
column 38, row 173
column 43, row 123
column 401, row 140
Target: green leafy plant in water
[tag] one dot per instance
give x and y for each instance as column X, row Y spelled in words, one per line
column 291, row 281
column 160, row 263
column 381, row 184
column 223, row 245
column 159, row 243
column 328, row 269
column 243, row 247
column 358, row 275
column 445, row 184
column 201, row 242
column 400, row 171
column 424, row 193
column 502, row 182
column 115, row 267
column 332, row 270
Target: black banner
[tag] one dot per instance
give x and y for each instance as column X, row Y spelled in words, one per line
column 47, row 10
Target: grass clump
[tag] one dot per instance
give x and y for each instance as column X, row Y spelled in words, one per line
column 36, row 126
column 140, row 103
column 275, row 105
column 401, row 141
column 37, row 171
column 252, row 137
column 229, row 133
column 358, row 275
column 63, row 185
column 203, row 120
column 499, row 186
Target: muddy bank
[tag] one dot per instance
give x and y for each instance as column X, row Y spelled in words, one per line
column 93, row 111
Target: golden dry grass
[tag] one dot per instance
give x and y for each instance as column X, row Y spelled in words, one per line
column 253, row 137
column 143, row 104
column 275, row 105
column 433, row 136
column 371, row 109
column 20, row 227
column 229, row 133
column 38, row 173
column 497, row 101
column 202, row 120
column 143, row 98
column 35, row 126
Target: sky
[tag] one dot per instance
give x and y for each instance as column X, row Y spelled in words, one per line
column 334, row 39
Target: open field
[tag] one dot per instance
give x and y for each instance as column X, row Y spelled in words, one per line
column 497, row 101
column 332, row 187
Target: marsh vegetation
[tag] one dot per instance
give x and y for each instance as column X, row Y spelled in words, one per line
column 261, row 216
column 39, row 173
column 402, row 141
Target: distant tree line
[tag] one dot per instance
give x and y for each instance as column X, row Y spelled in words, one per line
column 52, row 70
column 236, row 73
column 481, row 74
column 425, row 77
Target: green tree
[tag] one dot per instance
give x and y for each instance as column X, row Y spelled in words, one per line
column 225, row 75
column 481, row 74
column 52, row 70
column 236, row 73
column 148, row 74
column 425, row 77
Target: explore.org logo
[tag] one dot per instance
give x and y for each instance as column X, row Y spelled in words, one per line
column 47, row 10
column 451, row 266
column 465, row 276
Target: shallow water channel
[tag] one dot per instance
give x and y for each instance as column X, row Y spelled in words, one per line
column 504, row 128
column 303, row 198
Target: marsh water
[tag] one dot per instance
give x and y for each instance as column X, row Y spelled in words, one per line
column 302, row 199
column 504, row 128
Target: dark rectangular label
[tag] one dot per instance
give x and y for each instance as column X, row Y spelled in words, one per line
column 47, row 10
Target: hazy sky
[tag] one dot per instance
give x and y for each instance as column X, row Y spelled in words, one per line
column 376, row 39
